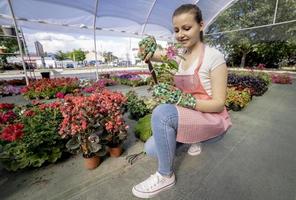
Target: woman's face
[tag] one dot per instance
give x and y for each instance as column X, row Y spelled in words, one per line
column 187, row 30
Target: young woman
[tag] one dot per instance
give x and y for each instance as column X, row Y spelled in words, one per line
column 203, row 73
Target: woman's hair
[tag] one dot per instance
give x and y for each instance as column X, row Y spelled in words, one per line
column 193, row 9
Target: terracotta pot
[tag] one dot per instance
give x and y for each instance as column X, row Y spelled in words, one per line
column 115, row 151
column 92, row 162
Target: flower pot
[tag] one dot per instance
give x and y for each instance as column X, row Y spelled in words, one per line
column 115, row 151
column 92, row 162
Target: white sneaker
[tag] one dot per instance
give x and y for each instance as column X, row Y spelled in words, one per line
column 153, row 185
column 194, row 149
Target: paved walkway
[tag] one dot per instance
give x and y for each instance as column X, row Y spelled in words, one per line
column 254, row 161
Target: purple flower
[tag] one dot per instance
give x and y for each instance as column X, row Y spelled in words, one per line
column 9, row 89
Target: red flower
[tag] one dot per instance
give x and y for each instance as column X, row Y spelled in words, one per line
column 24, row 90
column 6, row 117
column 60, row 95
column 7, row 106
column 12, row 132
column 29, row 113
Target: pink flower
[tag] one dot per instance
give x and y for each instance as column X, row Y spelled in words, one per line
column 171, row 52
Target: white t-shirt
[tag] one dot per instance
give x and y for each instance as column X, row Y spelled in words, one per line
column 212, row 59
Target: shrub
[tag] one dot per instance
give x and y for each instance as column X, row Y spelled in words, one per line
column 143, row 128
column 136, row 106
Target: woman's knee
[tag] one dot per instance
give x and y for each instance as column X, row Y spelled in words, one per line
column 164, row 112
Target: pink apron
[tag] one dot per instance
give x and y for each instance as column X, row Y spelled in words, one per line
column 193, row 125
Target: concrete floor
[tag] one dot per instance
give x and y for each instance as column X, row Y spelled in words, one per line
column 254, row 161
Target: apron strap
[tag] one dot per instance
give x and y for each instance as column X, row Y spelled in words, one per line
column 200, row 60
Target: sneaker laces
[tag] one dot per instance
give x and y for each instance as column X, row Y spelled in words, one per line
column 152, row 181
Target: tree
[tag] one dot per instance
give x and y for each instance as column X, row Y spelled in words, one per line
column 77, row 55
column 262, row 43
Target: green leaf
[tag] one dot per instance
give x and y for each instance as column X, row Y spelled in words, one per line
column 94, row 147
column 73, row 144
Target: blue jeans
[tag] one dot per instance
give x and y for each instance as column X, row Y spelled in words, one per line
column 162, row 144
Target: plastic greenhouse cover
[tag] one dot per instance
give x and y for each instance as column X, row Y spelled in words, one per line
column 113, row 17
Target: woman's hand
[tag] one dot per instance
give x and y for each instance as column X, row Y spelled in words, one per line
column 147, row 48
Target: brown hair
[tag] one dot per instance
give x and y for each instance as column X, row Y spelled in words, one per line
column 193, row 9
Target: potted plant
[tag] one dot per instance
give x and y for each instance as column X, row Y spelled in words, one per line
column 115, row 129
column 89, row 144
column 136, row 106
column 236, row 99
column 82, row 121
column 86, row 119
column 115, row 133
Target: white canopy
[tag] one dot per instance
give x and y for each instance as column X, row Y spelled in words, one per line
column 113, row 17
column 103, row 17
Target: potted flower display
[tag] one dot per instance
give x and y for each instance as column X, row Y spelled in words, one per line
column 115, row 129
column 87, row 119
column 81, row 122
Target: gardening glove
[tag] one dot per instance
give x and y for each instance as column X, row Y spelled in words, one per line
column 165, row 93
column 147, row 48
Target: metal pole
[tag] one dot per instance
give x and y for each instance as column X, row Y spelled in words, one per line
column 18, row 40
column 95, row 42
column 27, row 53
column 275, row 11
column 147, row 17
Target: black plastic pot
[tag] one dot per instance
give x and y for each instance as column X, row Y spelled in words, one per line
column 45, row 74
column 235, row 107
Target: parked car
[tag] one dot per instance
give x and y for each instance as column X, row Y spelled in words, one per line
column 69, row 65
column 125, row 63
column 93, row 62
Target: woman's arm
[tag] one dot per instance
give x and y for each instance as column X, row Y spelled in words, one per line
column 219, row 86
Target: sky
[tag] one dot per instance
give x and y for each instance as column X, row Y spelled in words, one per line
column 53, row 42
